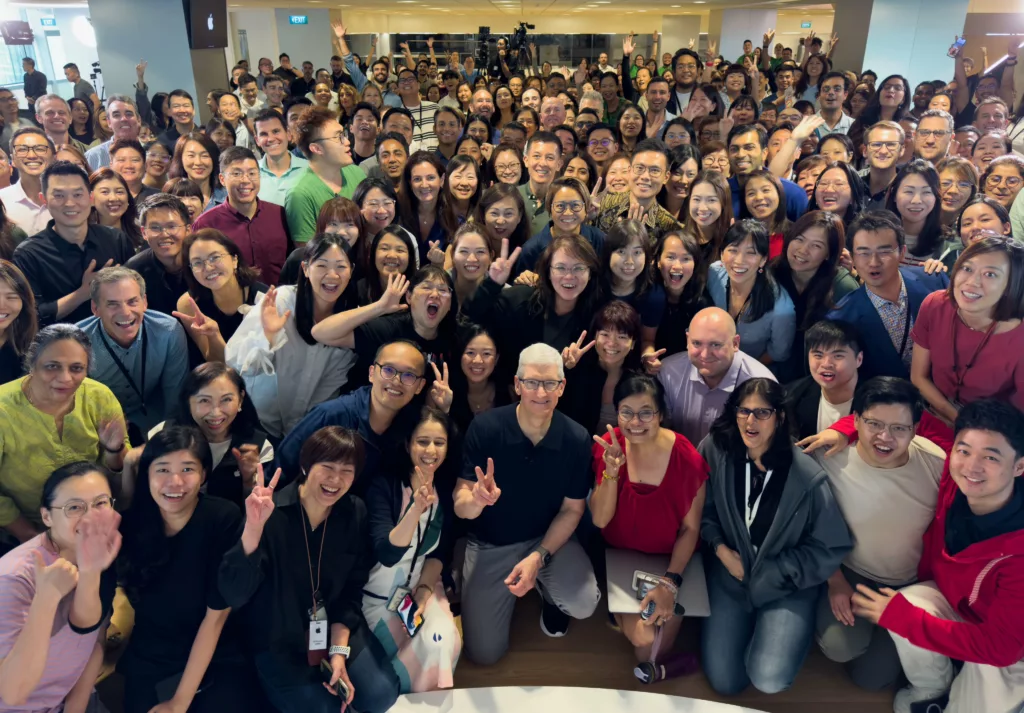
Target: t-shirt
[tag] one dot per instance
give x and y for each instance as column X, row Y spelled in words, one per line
column 83, row 90
column 887, row 509
column 830, row 413
column 991, row 367
column 389, row 328
column 303, row 202
column 170, row 609
column 534, row 479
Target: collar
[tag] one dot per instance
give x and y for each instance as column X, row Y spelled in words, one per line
column 901, row 301
column 552, row 440
column 728, row 382
column 242, row 216
column 22, row 197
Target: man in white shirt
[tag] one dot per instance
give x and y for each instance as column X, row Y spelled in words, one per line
column 31, row 152
column 887, row 486
column 249, row 95
column 835, row 86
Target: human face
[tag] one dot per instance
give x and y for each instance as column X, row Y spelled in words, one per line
column 876, row 444
column 539, row 402
column 501, row 219
column 372, row 96
column 543, row 160
column 92, row 489
column 229, row 107
column 808, row 250
column 746, row 154
column 568, row 210
column 346, row 98
column 223, row 137
column 378, row 211
column 711, row 348
column 922, row 95
column 834, row 191
column 69, row 201
column 129, row 164
column 165, row 232
column 966, row 138
column 986, row 149
column 479, row 131
column 425, row 182
column 676, row 265
column 978, row 220
column 101, row 117
column 275, row 93
column 685, row 71
column 808, row 178
column 675, row 135
column 110, row 199
column 757, row 435
column 272, row 137
column 392, row 157
column 953, row 191
column 463, row 182
column 883, row 148
column 679, row 180
column 194, row 205
column 401, row 124
column 762, row 199
column 120, row 307
column 32, row 154
column 479, row 359
column 328, row 482
column 777, row 141
column 471, row 149
column 705, row 205
column 612, row 347
column 329, row 274
column 197, row 162
column 649, row 171
column 568, row 280
column 552, row 113
column 981, row 282
column 601, row 145
column 987, row 86
column 876, row 257
column 54, row 115
column 835, row 151
column 833, row 94
column 618, row 175
column 157, row 161
column 409, row 85
column 249, row 92
column 348, row 230
column 174, row 482
column 242, row 181
column 60, row 369
column 717, row 161
column 1003, row 184
column 322, row 94
column 428, row 447
column 10, row 305
column 211, row 264
column 394, row 394
column 940, row 101
column 471, row 256
column 446, row 126
column 834, row 366
column 630, row 123
column 735, row 82
column 914, row 200
column 508, row 168
column 391, row 258
column 482, row 103
column 742, row 261
column 932, row 139
column 984, row 466
column 643, row 83
column 742, row 114
column 627, row 263
column 578, row 169
column 892, row 93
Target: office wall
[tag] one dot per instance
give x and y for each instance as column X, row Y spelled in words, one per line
column 911, row 37
column 260, row 28
column 311, row 41
column 740, row 25
column 677, row 31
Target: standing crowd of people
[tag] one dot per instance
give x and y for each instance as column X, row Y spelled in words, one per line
column 475, row 325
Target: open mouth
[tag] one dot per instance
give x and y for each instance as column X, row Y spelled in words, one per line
column 392, row 263
column 478, row 371
column 172, row 497
column 971, row 296
column 433, row 308
column 829, row 201
column 637, row 432
column 739, row 271
column 216, row 423
column 213, row 276
column 704, row 216
column 428, row 461
column 882, row 451
column 331, row 288
column 471, row 267
column 568, row 286
column 126, row 324
column 827, row 376
column 392, row 391
column 751, row 432
column 618, row 184
column 328, row 491
column 676, row 278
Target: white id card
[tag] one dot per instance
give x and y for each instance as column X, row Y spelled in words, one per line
column 317, row 635
column 396, row 598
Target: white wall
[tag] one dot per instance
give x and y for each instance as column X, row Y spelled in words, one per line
column 261, row 32
column 677, row 31
column 740, row 25
column 311, row 41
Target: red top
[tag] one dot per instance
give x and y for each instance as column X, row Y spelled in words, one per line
column 648, row 518
column 775, row 242
column 996, row 361
column 984, row 584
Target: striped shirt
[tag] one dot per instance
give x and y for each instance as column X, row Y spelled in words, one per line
column 423, row 125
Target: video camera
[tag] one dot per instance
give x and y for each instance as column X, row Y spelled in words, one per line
column 518, row 41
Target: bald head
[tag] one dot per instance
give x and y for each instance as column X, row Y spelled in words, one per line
column 712, row 343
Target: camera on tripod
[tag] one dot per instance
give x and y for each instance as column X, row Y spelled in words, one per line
column 518, row 41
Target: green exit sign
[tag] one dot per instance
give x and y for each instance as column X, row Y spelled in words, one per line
column 805, row 25
column 298, row 19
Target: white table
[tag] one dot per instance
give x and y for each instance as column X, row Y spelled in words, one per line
column 553, row 699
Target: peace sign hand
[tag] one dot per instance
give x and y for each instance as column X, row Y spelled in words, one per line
column 652, row 362
column 485, row 492
column 198, row 323
column 596, row 198
column 613, row 456
column 440, row 392
column 424, row 497
column 572, row 354
column 435, row 254
column 273, row 322
column 260, row 503
column 501, row 267
column 768, row 36
column 391, row 300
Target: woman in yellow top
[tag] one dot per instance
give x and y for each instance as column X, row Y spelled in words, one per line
column 52, row 417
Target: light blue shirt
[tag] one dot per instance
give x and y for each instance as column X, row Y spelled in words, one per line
column 843, row 127
column 773, row 333
column 165, row 372
column 360, row 80
column 274, row 188
column 99, row 156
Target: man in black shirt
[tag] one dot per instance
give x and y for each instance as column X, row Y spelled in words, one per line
column 182, row 112
column 301, row 86
column 164, row 221
column 61, row 261
column 523, row 487
column 34, row 82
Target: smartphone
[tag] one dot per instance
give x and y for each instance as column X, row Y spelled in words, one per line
column 410, row 615
column 955, row 47
column 341, row 688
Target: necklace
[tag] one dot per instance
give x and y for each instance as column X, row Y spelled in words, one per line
column 960, row 314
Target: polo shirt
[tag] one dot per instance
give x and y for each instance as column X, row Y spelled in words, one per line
column 796, row 198
column 99, row 156
column 54, row 267
column 843, row 127
column 538, row 216
column 876, row 201
column 303, row 202
column 534, row 479
column 24, row 211
column 262, row 240
column 694, row 406
column 163, row 288
column 166, row 366
column 274, row 188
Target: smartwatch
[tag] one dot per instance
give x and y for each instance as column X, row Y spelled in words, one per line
column 677, row 579
column 545, row 556
column 345, row 651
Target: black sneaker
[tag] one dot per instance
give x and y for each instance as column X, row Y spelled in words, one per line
column 553, row 621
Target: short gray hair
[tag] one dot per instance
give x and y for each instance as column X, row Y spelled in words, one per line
column 939, row 114
column 540, row 354
column 124, row 99
column 56, row 333
column 110, row 275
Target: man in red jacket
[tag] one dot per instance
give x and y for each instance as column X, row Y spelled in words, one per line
column 969, row 603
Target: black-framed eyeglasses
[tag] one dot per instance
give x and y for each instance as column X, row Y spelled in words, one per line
column 75, row 509
column 761, row 414
column 339, row 137
column 390, row 373
column 645, row 415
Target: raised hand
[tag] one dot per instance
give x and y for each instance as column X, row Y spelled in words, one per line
column 435, row 255
column 404, row 46
column 806, row 128
column 636, row 212
column 272, row 322
column 613, row 456
column 768, row 37
column 572, row 354
column 596, row 198
column 391, row 300
column 260, row 503
column 487, row 150
column 430, row 43
column 425, row 496
column 809, row 39
column 628, row 45
column 97, row 540
column 248, row 458
column 652, row 362
column 501, row 266
column 57, row 579
column 834, row 40
column 111, row 435
column 931, row 266
column 339, row 30
column 712, row 47
column 140, row 69
column 693, row 111
column 440, row 392
column 90, row 274
column 197, row 322
column 485, row 491
column 691, row 44
column 725, row 126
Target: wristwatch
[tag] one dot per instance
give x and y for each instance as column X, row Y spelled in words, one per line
column 345, row 651
column 545, row 556
column 677, row 579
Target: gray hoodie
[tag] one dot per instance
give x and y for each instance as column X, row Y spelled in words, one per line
column 804, row 546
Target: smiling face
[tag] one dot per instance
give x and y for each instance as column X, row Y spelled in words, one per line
column 618, row 176
column 627, row 263
column 428, row 447
column 876, row 444
column 932, row 138
column 197, row 162
column 110, row 199
column 552, row 113
column 991, row 117
column 32, row 154
column 1003, row 184
column 242, row 181
column 978, row 220
column 121, row 307
column 403, row 358
column 174, row 482
column 746, row 154
column 648, row 172
column 425, row 182
column 543, row 159
column 808, row 250
column 391, row 257
column 158, row 160
column 980, row 283
column 59, row 370
column 705, row 204
column 676, row 265
column 329, row 274
column 272, row 137
column 11, row 305
column 501, row 219
column 601, row 145
column 914, row 200
column 630, row 123
column 876, row 257
column 569, row 276
column 742, row 261
column 69, row 201
column 954, row 192
column 539, row 402
column 987, row 148
column 471, row 257
column 343, row 227
column 479, row 359
column 378, row 210
column 984, row 466
column 463, row 182
column 808, row 178
column 612, row 347
column 568, row 210
column 834, row 193
column 221, row 273
column 833, row 367
column 762, row 199
column 328, row 482
column 680, row 180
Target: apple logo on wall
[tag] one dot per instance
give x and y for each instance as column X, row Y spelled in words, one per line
column 209, row 22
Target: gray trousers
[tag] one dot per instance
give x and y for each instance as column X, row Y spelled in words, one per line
column 568, row 582
column 866, row 649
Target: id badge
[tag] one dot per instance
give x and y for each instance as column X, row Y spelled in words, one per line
column 396, row 598
column 318, row 636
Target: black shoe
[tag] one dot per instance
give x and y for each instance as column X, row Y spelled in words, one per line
column 553, row 621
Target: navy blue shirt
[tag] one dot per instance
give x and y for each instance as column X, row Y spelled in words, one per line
column 796, row 198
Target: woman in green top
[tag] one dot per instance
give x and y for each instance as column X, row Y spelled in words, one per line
column 52, row 417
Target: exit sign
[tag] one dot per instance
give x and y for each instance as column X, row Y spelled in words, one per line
column 48, row 21
column 805, row 25
column 298, row 19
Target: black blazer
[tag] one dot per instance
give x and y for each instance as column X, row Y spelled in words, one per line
column 802, row 399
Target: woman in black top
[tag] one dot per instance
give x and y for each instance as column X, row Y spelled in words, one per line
column 299, row 571
column 80, row 128
column 18, row 320
column 682, row 271
column 475, row 383
column 180, row 653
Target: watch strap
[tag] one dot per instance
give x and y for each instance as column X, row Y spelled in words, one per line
column 677, row 579
column 345, row 651
column 545, row 556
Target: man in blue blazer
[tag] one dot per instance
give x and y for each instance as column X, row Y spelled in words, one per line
column 885, row 306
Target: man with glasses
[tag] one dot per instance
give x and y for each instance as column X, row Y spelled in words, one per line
column 280, row 169
column 887, row 486
column 686, row 68
column 257, row 227
column 885, row 307
column 543, row 161
column 164, row 221
column 933, row 136
column 330, row 173
column 182, row 112
column 31, row 152
column 883, row 144
column 831, row 95
column 422, row 111
column 54, row 115
column 61, row 261
column 602, row 142
column 648, row 174
column 523, row 489
column 698, row 381
column 123, row 116
column 585, row 119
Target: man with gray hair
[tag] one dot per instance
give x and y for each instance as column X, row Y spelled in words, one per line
column 592, row 99
column 54, row 115
column 123, row 117
column 934, row 135
column 523, row 487
column 138, row 353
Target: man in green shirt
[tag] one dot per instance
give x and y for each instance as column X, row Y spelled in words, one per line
column 330, row 173
column 543, row 161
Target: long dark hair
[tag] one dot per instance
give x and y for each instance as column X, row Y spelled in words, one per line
column 779, row 221
column 698, row 281
column 245, row 274
column 373, row 288
column 145, row 551
column 408, row 203
column 129, row 221
column 22, row 331
column 543, row 298
column 818, row 295
column 304, row 301
column 495, row 194
column 762, row 296
column 618, row 238
column 872, row 113
column 858, row 191
column 805, row 79
column 246, row 422
column 449, row 218
column 87, row 137
column 177, row 169
column 931, row 234
column 725, row 433
column 713, row 248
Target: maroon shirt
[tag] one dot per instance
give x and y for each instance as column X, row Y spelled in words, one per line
column 264, row 240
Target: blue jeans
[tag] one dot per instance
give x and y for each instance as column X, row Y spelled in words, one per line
column 765, row 647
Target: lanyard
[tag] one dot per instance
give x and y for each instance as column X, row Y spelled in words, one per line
column 906, row 331
column 419, row 543
column 751, row 511
column 309, row 558
column 960, row 376
column 120, row 365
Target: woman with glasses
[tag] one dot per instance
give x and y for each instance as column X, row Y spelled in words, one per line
column 841, row 191
column 219, row 284
column 968, row 341
column 158, row 160
column 566, row 202
column 57, row 590
column 286, row 371
column 648, row 496
column 53, row 416
column 1003, row 179
column 777, row 534
column 958, row 183
column 506, row 165
column 715, row 157
column 175, row 536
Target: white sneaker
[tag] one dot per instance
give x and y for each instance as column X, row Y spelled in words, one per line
column 906, row 697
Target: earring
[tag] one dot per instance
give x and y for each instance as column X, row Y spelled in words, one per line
column 760, row 270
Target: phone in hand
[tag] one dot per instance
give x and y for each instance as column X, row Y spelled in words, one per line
column 409, row 613
column 340, row 687
column 954, row 48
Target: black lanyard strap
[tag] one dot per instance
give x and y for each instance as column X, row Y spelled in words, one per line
column 419, row 544
column 139, row 389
